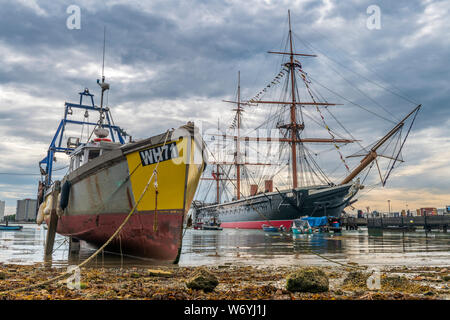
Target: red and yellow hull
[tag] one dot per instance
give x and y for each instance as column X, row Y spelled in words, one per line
column 103, row 193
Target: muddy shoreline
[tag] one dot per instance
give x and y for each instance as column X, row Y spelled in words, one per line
column 235, row 283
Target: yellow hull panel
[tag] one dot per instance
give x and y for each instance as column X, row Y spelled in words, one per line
column 177, row 176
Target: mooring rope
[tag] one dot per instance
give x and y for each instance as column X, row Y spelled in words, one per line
column 332, row 260
column 67, row 273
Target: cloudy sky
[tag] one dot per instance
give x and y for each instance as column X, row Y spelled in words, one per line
column 173, row 61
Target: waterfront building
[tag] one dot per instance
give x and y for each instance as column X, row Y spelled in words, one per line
column 26, row 210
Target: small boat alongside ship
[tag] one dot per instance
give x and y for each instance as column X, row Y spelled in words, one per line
column 212, row 224
column 267, row 228
column 300, row 226
column 106, row 179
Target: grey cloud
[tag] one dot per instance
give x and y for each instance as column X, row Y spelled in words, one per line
column 191, row 57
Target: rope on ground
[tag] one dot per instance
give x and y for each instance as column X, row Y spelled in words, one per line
column 331, row 260
column 67, row 273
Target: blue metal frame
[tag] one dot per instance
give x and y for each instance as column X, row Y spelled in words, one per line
column 48, row 160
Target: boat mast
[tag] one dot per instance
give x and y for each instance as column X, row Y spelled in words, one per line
column 217, row 169
column 238, row 149
column 293, row 125
column 104, row 86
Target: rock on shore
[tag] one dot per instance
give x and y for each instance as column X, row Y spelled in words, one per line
column 307, row 280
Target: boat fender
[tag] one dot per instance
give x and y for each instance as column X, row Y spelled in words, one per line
column 40, row 215
column 48, row 205
column 102, row 139
column 65, row 191
column 59, row 210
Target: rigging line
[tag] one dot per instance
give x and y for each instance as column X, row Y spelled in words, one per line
column 342, row 65
column 393, row 160
column 361, row 92
column 207, row 191
column 313, row 167
column 279, row 170
column 403, row 143
column 254, row 208
column 368, row 189
column 371, row 165
column 19, row 174
column 251, row 177
column 324, row 176
column 326, row 125
column 335, row 169
column 400, row 93
column 223, row 182
column 335, row 118
column 354, row 103
column 345, row 129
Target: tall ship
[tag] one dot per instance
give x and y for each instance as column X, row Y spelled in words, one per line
column 275, row 190
column 107, row 178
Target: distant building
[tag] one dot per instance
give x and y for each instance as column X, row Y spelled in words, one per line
column 2, row 210
column 26, row 210
column 427, row 211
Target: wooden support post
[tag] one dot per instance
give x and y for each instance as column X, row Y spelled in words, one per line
column 53, row 221
column 74, row 246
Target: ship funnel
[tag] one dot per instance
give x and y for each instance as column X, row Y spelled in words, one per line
column 268, row 186
column 253, row 189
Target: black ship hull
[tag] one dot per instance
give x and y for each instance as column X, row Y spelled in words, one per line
column 280, row 208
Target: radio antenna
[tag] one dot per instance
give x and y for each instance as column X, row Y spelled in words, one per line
column 104, row 45
column 103, row 84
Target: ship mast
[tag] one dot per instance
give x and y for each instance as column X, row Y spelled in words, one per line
column 238, row 149
column 218, row 174
column 293, row 126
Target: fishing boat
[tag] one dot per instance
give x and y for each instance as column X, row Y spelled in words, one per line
column 304, row 188
column 108, row 177
column 212, row 224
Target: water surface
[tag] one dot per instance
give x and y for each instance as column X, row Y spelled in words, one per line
column 250, row 247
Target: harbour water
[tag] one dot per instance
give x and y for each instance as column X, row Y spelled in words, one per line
column 250, row 247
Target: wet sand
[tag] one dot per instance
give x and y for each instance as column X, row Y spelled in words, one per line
column 235, row 282
column 248, row 264
column 251, row 247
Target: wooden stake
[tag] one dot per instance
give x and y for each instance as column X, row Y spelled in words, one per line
column 53, row 222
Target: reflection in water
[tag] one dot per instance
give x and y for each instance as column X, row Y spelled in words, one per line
column 230, row 246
